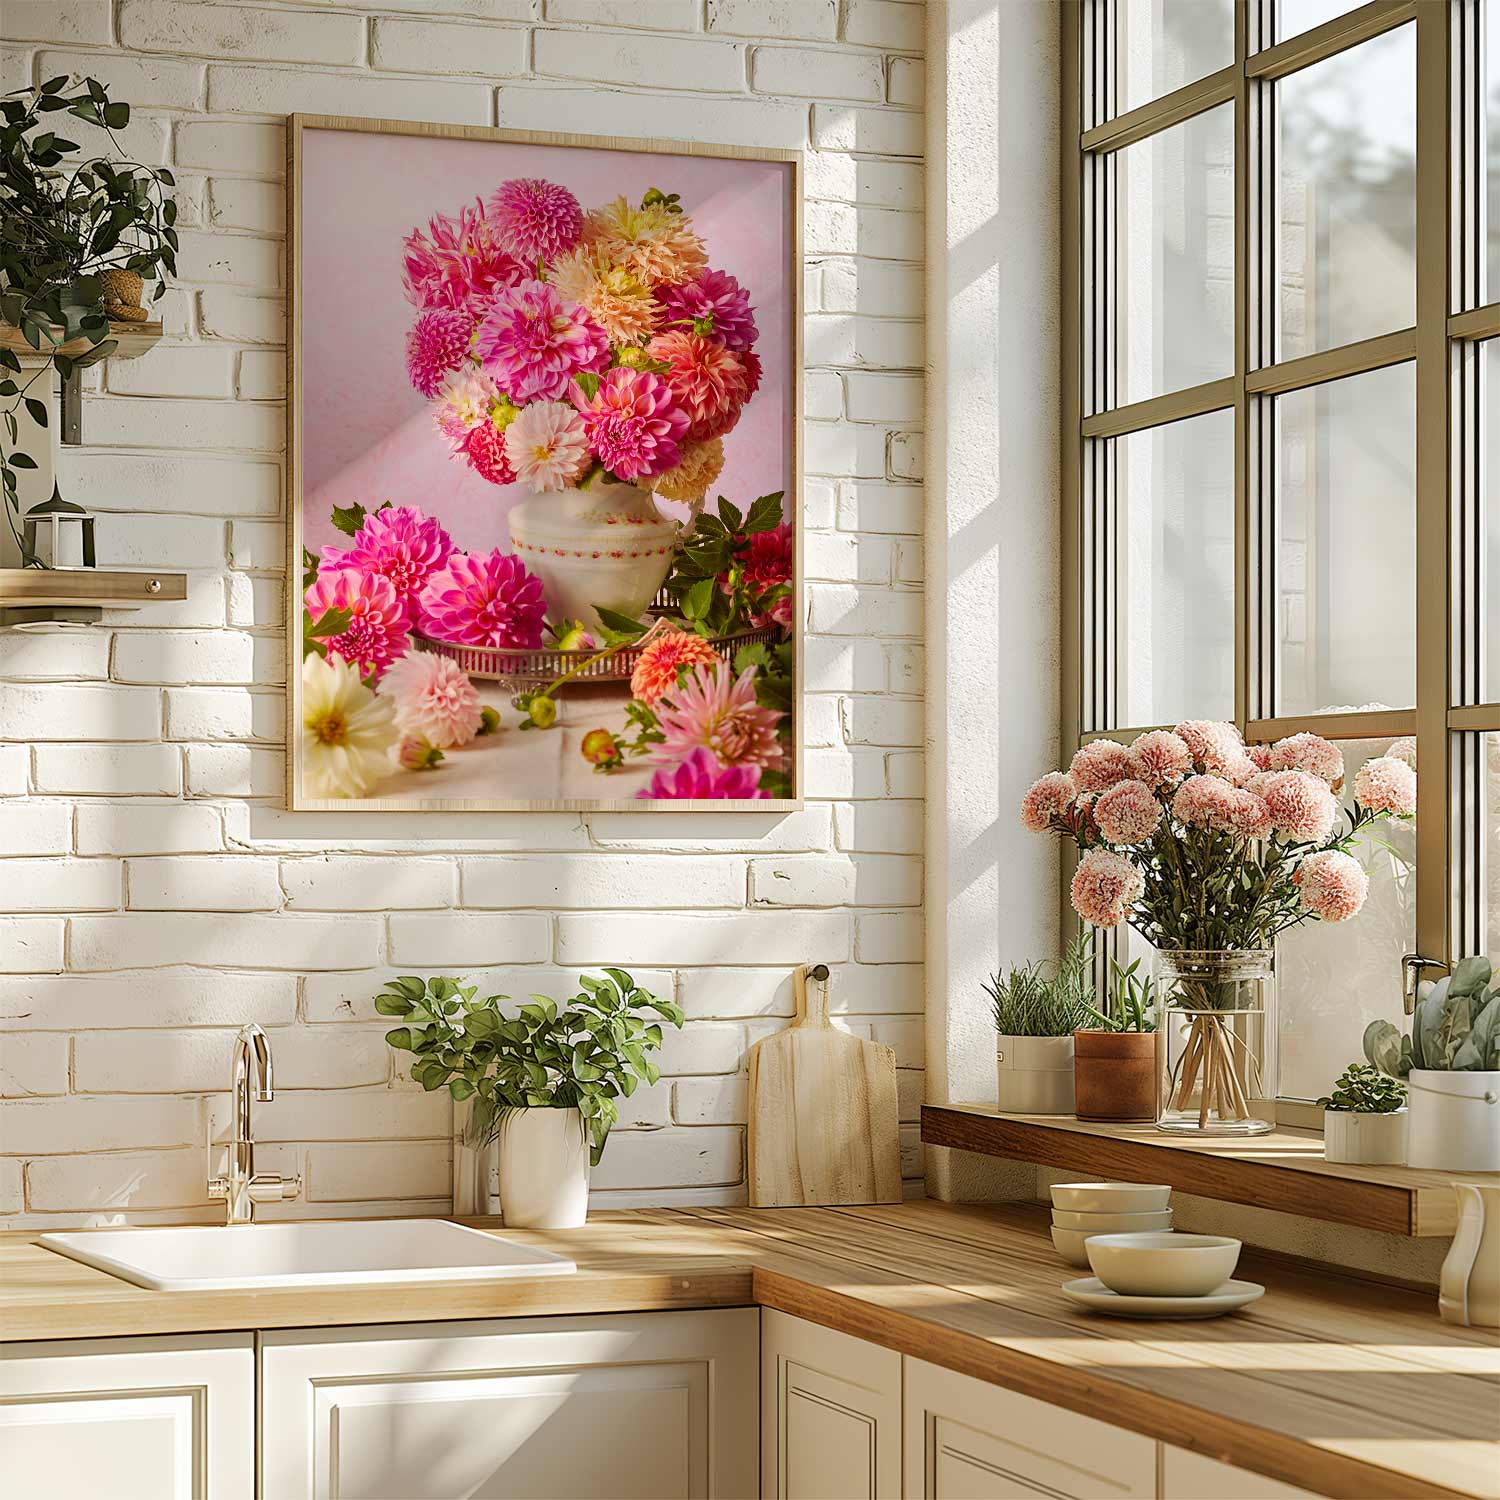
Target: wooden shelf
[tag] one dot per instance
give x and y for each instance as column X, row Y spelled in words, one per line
column 101, row 588
column 134, row 340
column 1284, row 1169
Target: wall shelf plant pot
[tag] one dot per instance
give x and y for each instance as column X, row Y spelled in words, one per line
column 1362, row 1139
column 1454, row 1123
column 1035, row 1074
column 1115, row 1075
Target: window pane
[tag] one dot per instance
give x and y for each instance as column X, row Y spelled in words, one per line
column 1293, row 17
column 1176, row 487
column 1491, row 106
column 1334, row 978
column 1489, row 849
column 1347, row 153
column 1162, row 44
column 1489, row 520
column 1346, row 543
column 1175, row 202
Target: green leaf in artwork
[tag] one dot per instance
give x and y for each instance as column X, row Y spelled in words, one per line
column 348, row 518
column 622, row 625
column 765, row 514
column 588, row 383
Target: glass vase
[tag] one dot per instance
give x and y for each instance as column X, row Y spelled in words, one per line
column 1218, row 1056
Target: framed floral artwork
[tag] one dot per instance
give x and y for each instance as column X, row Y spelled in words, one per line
column 544, row 400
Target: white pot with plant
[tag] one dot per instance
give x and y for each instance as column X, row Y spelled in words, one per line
column 1451, row 1064
column 1036, row 1014
column 542, row 1082
column 1364, row 1119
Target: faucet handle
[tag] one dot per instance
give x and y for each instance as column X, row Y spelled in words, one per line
column 272, row 1187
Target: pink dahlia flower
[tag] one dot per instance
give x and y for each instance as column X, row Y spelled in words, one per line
column 1310, row 753
column 714, row 305
column 656, row 667
column 1260, row 756
column 484, row 599
column 1249, row 817
column 1159, row 759
column 1404, row 750
column 1104, row 887
column 633, row 423
column 484, row 447
column 1333, row 886
column 465, row 399
column 535, row 219
column 1386, row 785
column 398, row 543
column 1046, row 799
column 1301, row 806
column 457, row 263
column 1099, row 765
column 546, row 446
column 707, row 381
column 713, row 707
column 376, row 634
column 435, row 702
column 1217, row 749
column 1206, row 802
column 1128, row 813
column 767, row 563
column 437, row 343
column 701, row 776
column 532, row 343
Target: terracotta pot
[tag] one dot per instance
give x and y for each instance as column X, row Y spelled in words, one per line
column 1115, row 1075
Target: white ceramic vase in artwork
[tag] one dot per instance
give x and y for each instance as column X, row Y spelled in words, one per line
column 606, row 547
column 1035, row 1074
column 1359, row 1139
column 1455, row 1120
column 1469, row 1287
column 544, row 1169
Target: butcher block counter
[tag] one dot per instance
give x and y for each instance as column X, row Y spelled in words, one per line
column 1347, row 1386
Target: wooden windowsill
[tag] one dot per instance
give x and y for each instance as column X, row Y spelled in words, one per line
column 1283, row 1169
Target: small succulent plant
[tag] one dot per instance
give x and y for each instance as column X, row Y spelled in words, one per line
column 1364, row 1090
column 1132, row 1000
column 1456, row 1027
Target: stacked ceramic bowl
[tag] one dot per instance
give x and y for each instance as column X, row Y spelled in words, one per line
column 1081, row 1209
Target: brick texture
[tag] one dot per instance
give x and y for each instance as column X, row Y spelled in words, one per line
column 160, row 894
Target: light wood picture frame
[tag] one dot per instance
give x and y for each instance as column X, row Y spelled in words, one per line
column 378, row 267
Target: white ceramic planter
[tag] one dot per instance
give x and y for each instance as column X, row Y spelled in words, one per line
column 1364, row 1139
column 1454, row 1121
column 1036, row 1074
column 544, row 1169
column 606, row 546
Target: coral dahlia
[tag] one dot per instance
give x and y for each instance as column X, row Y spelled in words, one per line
column 1104, row 886
column 633, row 423
column 433, row 699
column 659, row 245
column 701, row 776
column 484, row 599
column 1386, row 784
column 1301, row 806
column 714, row 708
column 546, row 446
column 1310, row 753
column 1128, row 813
column 1206, row 802
column 535, row 219
column 532, row 343
column 399, row 543
column 1099, row 765
column 1046, row 799
column 1332, row 885
column 348, row 733
column 706, row 379
column 376, row 634
column 656, row 667
column 1159, row 758
column 437, row 343
column 615, row 297
column 714, row 305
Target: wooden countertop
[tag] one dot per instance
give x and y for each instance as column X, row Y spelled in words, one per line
column 1349, row 1387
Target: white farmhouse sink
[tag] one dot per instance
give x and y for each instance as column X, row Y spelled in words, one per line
column 331, row 1253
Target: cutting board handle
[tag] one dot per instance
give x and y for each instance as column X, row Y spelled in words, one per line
column 812, row 1000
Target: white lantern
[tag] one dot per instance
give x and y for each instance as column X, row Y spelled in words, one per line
column 60, row 534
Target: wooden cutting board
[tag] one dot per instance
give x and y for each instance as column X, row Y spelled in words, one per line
column 822, row 1112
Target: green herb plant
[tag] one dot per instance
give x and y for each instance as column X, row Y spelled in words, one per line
column 583, row 1057
column 62, row 223
column 1132, row 1000
column 1044, row 999
column 1364, row 1090
column 1455, row 1029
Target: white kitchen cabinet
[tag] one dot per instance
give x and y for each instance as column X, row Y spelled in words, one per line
column 966, row 1439
column 131, row 1419
column 643, row 1406
column 1190, row 1476
column 830, row 1413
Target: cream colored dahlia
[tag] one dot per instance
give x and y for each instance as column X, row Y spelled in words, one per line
column 616, row 297
column 689, row 481
column 348, row 733
column 652, row 241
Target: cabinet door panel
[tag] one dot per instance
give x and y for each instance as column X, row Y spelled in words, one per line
column 969, row 1440
column 1190, row 1476
column 133, row 1419
column 661, row 1406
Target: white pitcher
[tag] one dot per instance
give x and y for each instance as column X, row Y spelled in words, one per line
column 1469, row 1287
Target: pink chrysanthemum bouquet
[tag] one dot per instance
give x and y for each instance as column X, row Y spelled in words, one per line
column 559, row 346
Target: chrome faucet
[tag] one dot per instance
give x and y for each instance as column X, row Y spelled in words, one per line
column 242, row 1186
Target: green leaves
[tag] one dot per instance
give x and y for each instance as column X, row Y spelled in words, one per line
column 1366, row 1090
column 348, row 518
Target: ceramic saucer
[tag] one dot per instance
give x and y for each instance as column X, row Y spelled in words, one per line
column 1093, row 1293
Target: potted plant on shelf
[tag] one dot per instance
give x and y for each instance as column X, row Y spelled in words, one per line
column 1115, row 1070
column 1035, row 1015
column 78, row 241
column 542, row 1082
column 1210, row 849
column 1364, row 1120
column 1451, row 1064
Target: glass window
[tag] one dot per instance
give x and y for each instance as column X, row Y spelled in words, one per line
column 1489, row 866
column 1176, row 534
column 1347, row 136
column 1175, row 248
column 1346, row 544
column 1334, row 978
column 1160, row 45
column 1490, row 113
column 1489, row 525
column 1293, row 17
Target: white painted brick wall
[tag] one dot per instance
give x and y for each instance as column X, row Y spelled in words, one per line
column 159, row 896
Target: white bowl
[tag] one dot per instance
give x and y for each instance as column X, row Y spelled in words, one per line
column 1111, row 1197
column 1112, row 1223
column 1161, row 1263
column 1069, row 1244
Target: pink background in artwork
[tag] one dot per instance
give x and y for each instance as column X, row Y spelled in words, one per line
column 368, row 436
